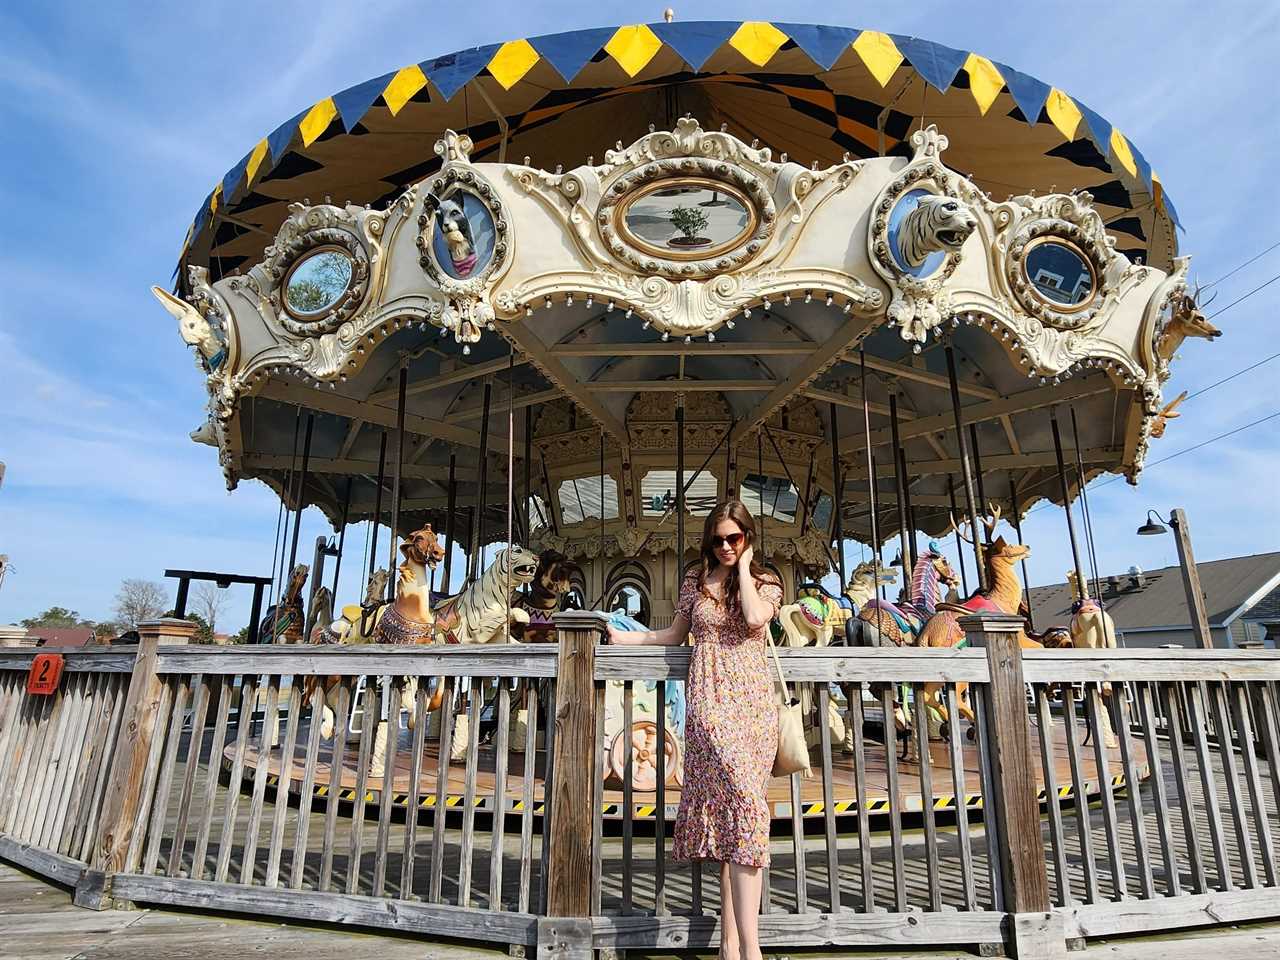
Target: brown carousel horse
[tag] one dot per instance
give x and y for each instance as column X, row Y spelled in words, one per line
column 1004, row 595
column 284, row 620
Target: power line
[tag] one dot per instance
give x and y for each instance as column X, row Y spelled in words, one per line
column 1172, row 456
column 1244, row 298
column 1252, row 259
column 1252, row 366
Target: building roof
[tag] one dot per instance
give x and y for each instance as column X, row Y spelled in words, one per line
column 1230, row 586
column 61, row 636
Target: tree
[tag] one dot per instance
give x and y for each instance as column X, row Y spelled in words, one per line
column 57, row 617
column 139, row 600
column 209, row 601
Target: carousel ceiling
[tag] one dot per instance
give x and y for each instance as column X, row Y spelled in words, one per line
column 811, row 92
column 809, row 320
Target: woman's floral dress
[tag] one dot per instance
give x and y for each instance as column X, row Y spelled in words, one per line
column 731, row 732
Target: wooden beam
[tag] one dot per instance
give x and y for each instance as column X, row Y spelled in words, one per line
column 990, row 410
column 500, row 403
column 855, row 403
column 919, row 375
column 656, row 348
column 678, row 386
column 469, row 371
column 352, row 432
column 346, row 467
column 326, row 401
column 822, row 357
column 540, row 355
column 991, row 463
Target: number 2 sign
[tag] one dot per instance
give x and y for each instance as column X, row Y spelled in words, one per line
column 46, row 672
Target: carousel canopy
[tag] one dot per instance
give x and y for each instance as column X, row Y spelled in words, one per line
column 856, row 226
column 811, row 91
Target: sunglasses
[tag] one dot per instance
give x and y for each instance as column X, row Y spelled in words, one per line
column 732, row 540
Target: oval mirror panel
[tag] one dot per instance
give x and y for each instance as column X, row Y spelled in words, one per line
column 318, row 282
column 689, row 219
column 1059, row 273
column 463, row 237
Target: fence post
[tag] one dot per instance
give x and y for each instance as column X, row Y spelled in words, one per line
column 565, row 933
column 1034, row 930
column 123, row 796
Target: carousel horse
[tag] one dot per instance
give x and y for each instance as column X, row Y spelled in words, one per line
column 901, row 623
column 283, row 621
column 348, row 627
column 814, row 618
column 482, row 613
column 319, row 628
column 1003, row 596
column 1092, row 628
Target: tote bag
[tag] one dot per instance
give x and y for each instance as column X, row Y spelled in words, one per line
column 793, row 753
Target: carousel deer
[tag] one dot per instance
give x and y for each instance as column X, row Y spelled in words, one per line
column 1004, row 595
column 1186, row 320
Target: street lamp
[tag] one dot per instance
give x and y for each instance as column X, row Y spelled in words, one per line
column 1152, row 528
column 1186, row 561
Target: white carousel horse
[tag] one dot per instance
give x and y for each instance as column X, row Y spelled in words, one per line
column 1092, row 628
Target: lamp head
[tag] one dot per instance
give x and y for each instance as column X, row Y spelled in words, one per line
column 1152, row 527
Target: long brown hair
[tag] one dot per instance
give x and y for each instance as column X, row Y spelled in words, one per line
column 736, row 511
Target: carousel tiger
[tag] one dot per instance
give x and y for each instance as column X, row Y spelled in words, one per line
column 936, row 224
column 479, row 613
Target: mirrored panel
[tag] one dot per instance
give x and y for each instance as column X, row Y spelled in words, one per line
column 689, row 219
column 317, row 282
column 1059, row 273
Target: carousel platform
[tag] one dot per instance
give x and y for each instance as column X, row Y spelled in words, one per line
column 879, row 801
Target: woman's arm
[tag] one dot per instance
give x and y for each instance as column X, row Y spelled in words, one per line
column 756, row 611
column 672, row 636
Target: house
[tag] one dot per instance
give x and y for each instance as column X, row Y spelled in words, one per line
column 1242, row 601
column 60, row 636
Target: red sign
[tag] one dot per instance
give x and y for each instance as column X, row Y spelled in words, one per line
column 46, row 671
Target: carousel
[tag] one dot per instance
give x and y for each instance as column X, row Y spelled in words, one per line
column 550, row 300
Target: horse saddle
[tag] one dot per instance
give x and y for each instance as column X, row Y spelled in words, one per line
column 975, row 604
column 904, row 621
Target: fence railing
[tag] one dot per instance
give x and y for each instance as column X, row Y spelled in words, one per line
column 1094, row 793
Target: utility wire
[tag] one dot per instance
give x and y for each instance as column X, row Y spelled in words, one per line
column 1244, row 298
column 1252, row 259
column 1252, row 366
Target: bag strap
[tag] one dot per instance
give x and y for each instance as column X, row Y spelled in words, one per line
column 786, row 696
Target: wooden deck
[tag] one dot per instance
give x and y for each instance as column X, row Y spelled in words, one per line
column 877, row 779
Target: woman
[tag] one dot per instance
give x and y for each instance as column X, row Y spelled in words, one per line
column 731, row 728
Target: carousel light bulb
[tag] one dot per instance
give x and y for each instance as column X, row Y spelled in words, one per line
column 590, row 301
column 627, row 315
column 609, row 308
column 746, row 313
column 786, row 299
column 764, row 302
column 466, row 349
column 915, row 348
column 568, row 299
column 830, row 299
column 730, row 324
column 528, row 310
column 848, row 306
column 688, row 338
column 332, row 385
column 342, row 377
column 666, row 335
column 548, row 303
column 645, row 325
column 808, row 296
column 711, row 337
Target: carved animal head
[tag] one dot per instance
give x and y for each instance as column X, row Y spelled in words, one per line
column 423, row 547
column 297, row 580
column 377, row 587
column 936, row 224
column 1170, row 412
column 871, row 570
column 1187, row 320
column 942, row 567
column 195, row 330
column 520, row 562
column 319, row 616
column 556, row 572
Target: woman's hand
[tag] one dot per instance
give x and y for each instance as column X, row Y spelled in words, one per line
column 744, row 560
column 611, row 633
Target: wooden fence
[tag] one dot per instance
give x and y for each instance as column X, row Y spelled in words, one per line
column 200, row 776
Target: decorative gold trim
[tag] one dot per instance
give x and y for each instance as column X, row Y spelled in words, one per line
column 624, row 231
column 314, row 315
column 1075, row 248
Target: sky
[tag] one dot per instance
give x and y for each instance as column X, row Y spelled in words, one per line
column 120, row 117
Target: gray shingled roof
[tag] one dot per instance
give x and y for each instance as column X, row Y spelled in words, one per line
column 1162, row 601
